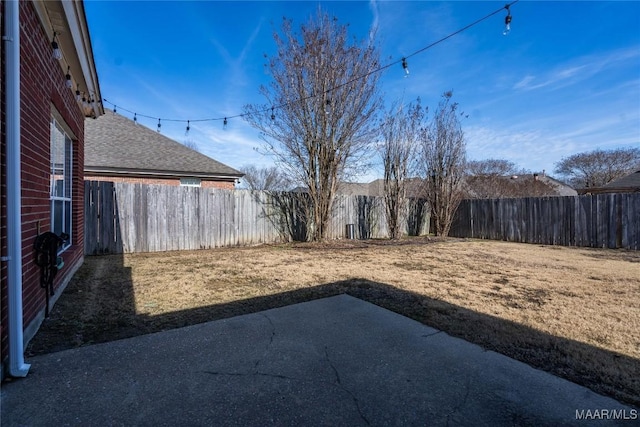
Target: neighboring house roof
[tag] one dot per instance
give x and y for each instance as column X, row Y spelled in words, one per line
column 354, row 188
column 560, row 187
column 376, row 188
column 527, row 185
column 117, row 146
column 530, row 185
column 628, row 182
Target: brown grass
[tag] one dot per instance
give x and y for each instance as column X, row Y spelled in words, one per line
column 570, row 311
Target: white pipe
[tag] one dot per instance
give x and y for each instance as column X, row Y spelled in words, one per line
column 17, row 367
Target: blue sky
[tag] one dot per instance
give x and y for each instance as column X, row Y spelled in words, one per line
column 565, row 80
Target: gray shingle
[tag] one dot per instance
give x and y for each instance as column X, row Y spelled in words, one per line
column 114, row 142
column 628, row 181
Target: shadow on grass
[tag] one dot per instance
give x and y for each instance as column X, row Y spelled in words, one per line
column 82, row 316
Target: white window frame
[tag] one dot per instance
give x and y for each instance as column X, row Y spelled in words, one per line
column 61, row 181
column 190, row 182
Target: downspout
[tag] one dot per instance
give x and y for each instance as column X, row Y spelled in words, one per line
column 17, row 367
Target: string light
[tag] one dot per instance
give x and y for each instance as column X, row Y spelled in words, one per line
column 159, row 125
column 188, row 128
column 507, row 21
column 402, row 61
column 57, row 54
column 115, row 109
column 68, row 77
column 78, row 97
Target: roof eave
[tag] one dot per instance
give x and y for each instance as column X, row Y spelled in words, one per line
column 146, row 173
column 68, row 20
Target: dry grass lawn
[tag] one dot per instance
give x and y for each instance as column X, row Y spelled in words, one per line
column 574, row 312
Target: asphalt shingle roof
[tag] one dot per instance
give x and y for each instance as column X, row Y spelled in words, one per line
column 629, row 181
column 116, row 143
column 475, row 187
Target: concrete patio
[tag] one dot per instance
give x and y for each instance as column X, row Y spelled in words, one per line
column 333, row 361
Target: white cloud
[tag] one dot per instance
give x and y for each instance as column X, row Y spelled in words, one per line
column 373, row 6
column 578, row 70
column 525, row 82
column 235, row 146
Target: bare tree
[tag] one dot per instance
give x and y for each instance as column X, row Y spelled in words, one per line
column 268, row 178
column 190, row 143
column 598, row 167
column 442, row 163
column 399, row 131
column 491, row 167
column 492, row 178
column 317, row 122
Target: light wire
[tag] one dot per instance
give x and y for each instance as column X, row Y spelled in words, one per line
column 225, row 119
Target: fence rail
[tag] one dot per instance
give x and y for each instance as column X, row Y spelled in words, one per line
column 126, row 218
column 601, row 221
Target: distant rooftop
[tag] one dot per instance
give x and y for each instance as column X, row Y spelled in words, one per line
column 629, row 181
column 115, row 144
column 526, row 185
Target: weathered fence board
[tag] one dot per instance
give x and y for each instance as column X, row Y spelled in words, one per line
column 601, row 221
column 123, row 217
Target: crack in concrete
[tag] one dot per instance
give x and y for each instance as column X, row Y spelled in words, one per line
column 462, row 403
column 251, row 374
column 255, row 372
column 335, row 371
column 337, row 383
column 269, row 344
column 346, row 390
column 432, row 334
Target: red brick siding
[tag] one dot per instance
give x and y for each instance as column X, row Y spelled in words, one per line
column 42, row 85
column 162, row 181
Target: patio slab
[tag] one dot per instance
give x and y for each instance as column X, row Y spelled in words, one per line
column 333, row 361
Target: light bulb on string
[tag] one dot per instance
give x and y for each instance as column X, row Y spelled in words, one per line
column 323, row 95
column 57, row 53
column 405, row 67
column 224, row 124
column 68, row 78
column 159, row 125
column 78, row 97
column 115, row 108
column 507, row 22
column 135, row 118
column 188, row 128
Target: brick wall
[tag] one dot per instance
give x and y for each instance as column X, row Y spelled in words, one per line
column 42, row 86
column 224, row 185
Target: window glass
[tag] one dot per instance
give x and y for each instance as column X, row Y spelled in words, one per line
column 190, row 182
column 61, row 176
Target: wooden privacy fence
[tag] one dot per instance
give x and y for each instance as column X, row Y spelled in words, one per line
column 126, row 218
column 599, row 221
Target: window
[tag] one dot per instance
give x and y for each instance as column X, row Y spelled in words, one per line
column 190, row 182
column 61, row 178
